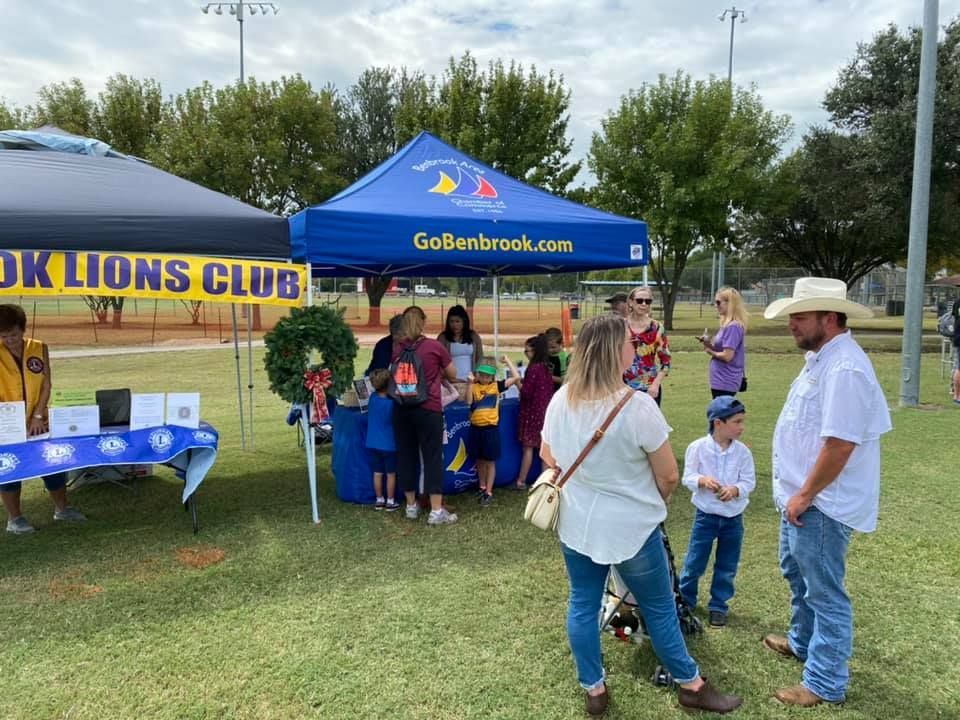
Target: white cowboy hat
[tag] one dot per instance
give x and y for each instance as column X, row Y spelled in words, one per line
column 817, row 294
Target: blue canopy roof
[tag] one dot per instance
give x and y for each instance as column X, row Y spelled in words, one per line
column 430, row 209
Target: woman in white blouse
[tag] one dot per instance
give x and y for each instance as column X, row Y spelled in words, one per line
column 611, row 509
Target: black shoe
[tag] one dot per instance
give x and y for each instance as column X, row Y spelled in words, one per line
column 486, row 500
column 717, row 618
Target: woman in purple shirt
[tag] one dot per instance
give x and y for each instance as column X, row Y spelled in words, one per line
column 727, row 349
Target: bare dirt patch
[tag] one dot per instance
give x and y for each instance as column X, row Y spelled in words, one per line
column 200, row 556
column 69, row 588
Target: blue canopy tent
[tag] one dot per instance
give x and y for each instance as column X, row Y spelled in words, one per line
column 432, row 210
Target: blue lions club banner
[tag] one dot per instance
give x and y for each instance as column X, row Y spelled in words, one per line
column 190, row 452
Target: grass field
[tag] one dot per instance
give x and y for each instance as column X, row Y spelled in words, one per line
column 368, row 615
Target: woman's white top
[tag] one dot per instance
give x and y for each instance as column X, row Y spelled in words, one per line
column 611, row 504
column 462, row 355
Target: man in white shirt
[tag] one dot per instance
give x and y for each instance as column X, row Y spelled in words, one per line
column 826, row 482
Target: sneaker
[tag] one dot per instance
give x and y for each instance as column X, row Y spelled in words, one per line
column 486, row 500
column 380, row 504
column 717, row 618
column 69, row 514
column 19, row 526
column 413, row 512
column 391, row 505
column 441, row 517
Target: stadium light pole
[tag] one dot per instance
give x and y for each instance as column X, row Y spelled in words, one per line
column 919, row 211
column 239, row 10
column 734, row 14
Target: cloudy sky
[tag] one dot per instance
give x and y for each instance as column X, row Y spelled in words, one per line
column 790, row 50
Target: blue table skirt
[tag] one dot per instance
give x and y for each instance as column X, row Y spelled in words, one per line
column 354, row 478
column 190, row 452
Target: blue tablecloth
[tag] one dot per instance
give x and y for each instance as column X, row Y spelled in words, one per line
column 354, row 478
column 190, row 452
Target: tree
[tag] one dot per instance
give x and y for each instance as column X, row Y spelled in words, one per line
column 127, row 114
column 875, row 98
column 380, row 115
column 684, row 156
column 272, row 145
column 510, row 119
column 66, row 106
column 11, row 117
column 826, row 211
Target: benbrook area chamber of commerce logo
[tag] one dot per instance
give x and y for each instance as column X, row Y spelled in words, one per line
column 463, row 183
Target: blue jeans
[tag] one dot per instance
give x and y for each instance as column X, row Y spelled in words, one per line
column 647, row 577
column 728, row 532
column 813, row 560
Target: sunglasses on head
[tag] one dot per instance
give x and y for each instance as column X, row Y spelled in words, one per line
column 643, row 301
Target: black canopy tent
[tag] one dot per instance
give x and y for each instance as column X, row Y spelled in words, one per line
column 69, row 202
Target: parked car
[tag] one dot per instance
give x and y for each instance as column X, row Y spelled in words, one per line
column 442, row 293
column 424, row 290
column 528, row 296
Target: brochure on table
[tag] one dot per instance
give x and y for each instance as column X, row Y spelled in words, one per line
column 13, row 422
column 147, row 410
column 74, row 421
column 183, row 409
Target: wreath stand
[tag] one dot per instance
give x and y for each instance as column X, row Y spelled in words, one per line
column 311, row 341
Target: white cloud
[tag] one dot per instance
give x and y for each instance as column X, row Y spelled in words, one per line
column 790, row 50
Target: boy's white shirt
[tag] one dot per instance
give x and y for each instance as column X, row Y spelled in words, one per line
column 733, row 466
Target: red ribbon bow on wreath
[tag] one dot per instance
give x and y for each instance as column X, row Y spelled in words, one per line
column 317, row 381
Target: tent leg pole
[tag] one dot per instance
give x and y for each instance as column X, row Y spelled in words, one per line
column 236, row 357
column 250, row 370
column 309, row 286
column 496, row 318
column 309, row 447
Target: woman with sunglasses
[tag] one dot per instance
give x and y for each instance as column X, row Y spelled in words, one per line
column 651, row 362
column 727, row 349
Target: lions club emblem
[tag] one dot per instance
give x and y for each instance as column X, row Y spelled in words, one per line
column 112, row 445
column 58, row 453
column 8, row 463
column 161, row 440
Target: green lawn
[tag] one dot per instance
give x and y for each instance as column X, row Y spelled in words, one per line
column 370, row 616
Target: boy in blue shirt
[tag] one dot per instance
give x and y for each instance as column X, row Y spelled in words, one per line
column 381, row 445
column 718, row 469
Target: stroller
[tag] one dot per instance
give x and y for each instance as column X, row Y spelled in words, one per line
column 618, row 616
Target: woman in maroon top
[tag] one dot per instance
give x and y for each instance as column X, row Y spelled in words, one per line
column 536, row 389
column 418, row 429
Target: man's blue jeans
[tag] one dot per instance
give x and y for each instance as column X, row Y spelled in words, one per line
column 647, row 577
column 813, row 560
column 728, row 532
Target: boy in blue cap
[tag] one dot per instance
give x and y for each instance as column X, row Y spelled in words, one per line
column 718, row 469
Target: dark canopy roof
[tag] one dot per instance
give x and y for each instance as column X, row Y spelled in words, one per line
column 66, row 201
column 431, row 209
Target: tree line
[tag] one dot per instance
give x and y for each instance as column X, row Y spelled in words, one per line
column 700, row 161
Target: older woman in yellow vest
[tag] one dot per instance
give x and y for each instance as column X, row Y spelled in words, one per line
column 25, row 375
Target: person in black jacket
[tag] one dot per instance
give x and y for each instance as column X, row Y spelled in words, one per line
column 383, row 350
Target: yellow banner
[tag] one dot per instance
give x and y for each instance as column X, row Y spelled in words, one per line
column 177, row 277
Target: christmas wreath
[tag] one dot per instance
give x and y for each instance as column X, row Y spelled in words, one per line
column 289, row 345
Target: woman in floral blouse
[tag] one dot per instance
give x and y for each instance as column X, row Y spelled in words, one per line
column 652, row 361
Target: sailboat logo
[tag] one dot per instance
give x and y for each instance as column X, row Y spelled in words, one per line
column 460, row 460
column 466, row 185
